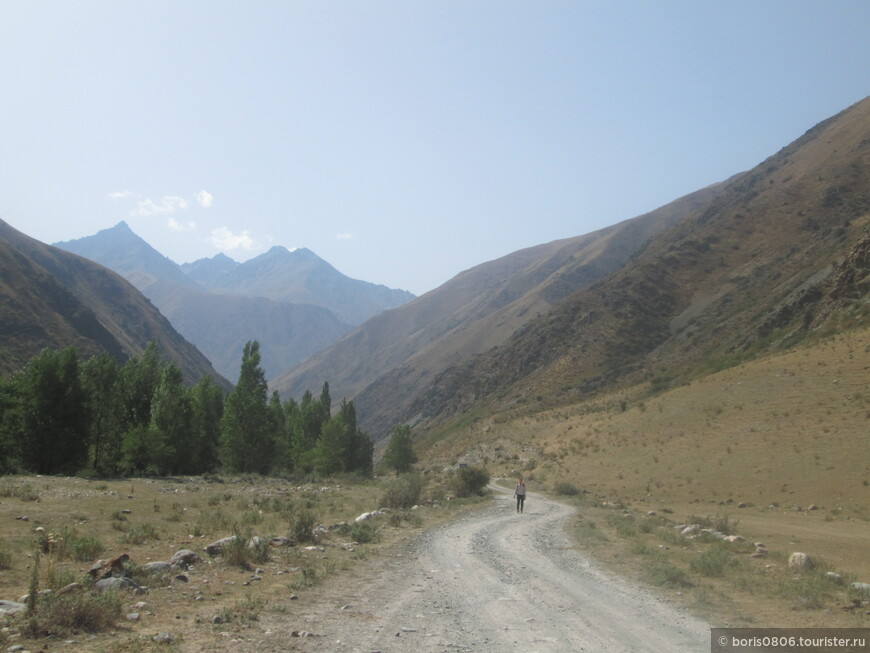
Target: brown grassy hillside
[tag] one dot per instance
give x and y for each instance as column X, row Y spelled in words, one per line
column 784, row 436
column 386, row 363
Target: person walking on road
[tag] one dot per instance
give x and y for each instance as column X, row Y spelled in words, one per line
column 520, row 494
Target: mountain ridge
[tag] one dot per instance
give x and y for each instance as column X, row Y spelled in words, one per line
column 293, row 302
column 759, row 238
column 476, row 310
column 60, row 299
column 721, row 284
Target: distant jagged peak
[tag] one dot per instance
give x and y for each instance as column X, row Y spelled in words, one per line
column 220, row 258
column 281, row 254
column 281, row 250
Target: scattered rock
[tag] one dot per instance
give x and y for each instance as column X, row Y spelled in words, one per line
column 216, row 548
column 813, row 507
column 119, row 583
column 133, row 616
column 157, row 567
column 11, row 607
column 25, row 598
column 279, row 541
column 184, row 558
column 799, row 561
column 834, row 577
column 163, row 638
column 861, row 587
column 70, row 589
column 109, row 567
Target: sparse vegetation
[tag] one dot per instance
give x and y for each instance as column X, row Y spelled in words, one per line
column 666, row 574
column 403, row 492
column 80, row 521
column 469, row 481
column 302, row 527
column 68, row 614
column 712, row 562
column 567, row 489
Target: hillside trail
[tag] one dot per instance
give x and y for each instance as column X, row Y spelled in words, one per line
column 493, row 581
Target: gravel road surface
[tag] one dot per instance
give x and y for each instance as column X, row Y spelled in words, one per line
column 493, row 581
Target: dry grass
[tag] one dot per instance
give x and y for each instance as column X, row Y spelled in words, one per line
column 150, row 519
column 777, row 436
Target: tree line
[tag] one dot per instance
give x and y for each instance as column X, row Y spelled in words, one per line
column 64, row 415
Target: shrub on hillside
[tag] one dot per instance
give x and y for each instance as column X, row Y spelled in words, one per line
column 712, row 562
column 468, row 481
column 64, row 615
column 302, row 526
column 245, row 551
column 403, row 492
column 362, row 532
column 566, row 489
column 666, row 574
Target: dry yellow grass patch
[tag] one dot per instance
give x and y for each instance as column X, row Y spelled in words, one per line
column 150, row 519
column 777, row 436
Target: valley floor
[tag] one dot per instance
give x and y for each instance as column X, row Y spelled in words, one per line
column 493, row 581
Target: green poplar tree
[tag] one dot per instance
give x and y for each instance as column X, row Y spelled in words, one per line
column 172, row 416
column 102, row 380
column 400, row 451
column 140, row 377
column 55, row 417
column 10, row 415
column 247, row 438
column 208, row 408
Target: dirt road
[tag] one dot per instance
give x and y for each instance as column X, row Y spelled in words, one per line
column 494, row 581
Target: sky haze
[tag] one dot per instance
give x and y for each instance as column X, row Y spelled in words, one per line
column 403, row 142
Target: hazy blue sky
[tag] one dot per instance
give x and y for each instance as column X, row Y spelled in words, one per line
column 406, row 141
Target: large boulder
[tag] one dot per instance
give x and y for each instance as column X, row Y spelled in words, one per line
column 184, row 558
column 119, row 583
column 217, row 548
column 160, row 567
